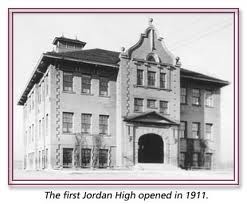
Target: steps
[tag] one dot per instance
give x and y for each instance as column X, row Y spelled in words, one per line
column 155, row 167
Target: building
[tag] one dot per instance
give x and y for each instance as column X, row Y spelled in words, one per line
column 103, row 109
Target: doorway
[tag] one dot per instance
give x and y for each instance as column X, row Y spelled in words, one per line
column 150, row 149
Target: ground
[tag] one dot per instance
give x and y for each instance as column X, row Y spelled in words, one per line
column 136, row 173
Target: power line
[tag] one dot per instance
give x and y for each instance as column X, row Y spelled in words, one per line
column 200, row 36
column 196, row 34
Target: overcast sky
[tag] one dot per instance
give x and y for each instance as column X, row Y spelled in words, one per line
column 204, row 43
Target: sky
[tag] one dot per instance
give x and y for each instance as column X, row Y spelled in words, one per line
column 204, row 43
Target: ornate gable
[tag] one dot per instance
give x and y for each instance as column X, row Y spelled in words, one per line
column 150, row 44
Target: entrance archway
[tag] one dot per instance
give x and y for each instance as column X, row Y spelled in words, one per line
column 150, row 149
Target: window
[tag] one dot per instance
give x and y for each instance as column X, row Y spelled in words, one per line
column 138, row 105
column 43, row 127
column 39, row 129
column 183, row 97
column 151, row 58
column 46, row 125
column 182, row 159
column 32, row 99
column 40, row 159
column 46, row 85
column 86, row 84
column 103, row 124
column 209, row 98
column 195, row 160
column 163, row 81
column 67, row 81
column 103, row 158
column 43, row 92
column 151, row 103
column 151, row 78
column 67, row 157
column 46, row 158
column 85, row 157
column 140, row 77
column 43, row 159
column 183, row 129
column 29, row 135
column 103, row 87
column 164, row 107
column 209, row 135
column 67, row 122
column 208, row 160
column 39, row 94
column 86, row 123
column 196, row 130
column 32, row 137
column 196, row 97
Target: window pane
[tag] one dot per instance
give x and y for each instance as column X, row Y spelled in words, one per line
column 85, row 157
column 151, row 103
column 86, row 123
column 86, row 84
column 209, row 131
column 103, row 158
column 209, row 98
column 183, row 129
column 67, row 81
column 163, row 80
column 182, row 159
column 103, row 124
column 164, row 107
column 138, row 104
column 183, row 95
column 67, row 122
column 196, row 96
column 195, row 160
column 151, row 78
column 195, row 130
column 67, row 157
column 139, row 77
column 103, row 86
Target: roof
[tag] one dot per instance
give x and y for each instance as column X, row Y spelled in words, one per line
column 63, row 39
column 184, row 73
column 92, row 55
column 150, row 117
column 100, row 57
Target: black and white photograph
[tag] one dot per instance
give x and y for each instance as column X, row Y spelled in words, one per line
column 136, row 97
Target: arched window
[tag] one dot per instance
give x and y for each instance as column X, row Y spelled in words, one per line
column 153, row 57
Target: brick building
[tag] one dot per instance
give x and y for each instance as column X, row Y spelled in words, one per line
column 103, row 109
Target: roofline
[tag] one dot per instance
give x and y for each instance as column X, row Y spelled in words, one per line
column 171, row 122
column 224, row 83
column 68, row 39
column 78, row 60
column 30, row 77
column 63, row 58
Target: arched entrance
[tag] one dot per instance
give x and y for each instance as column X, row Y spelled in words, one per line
column 150, row 149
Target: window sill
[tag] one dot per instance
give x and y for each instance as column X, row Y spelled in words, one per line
column 152, row 87
column 154, row 108
column 104, row 135
column 209, row 106
column 67, row 133
column 87, row 94
column 69, row 92
column 104, row 96
column 196, row 105
column 138, row 111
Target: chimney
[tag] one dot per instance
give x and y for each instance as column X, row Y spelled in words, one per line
column 66, row 44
